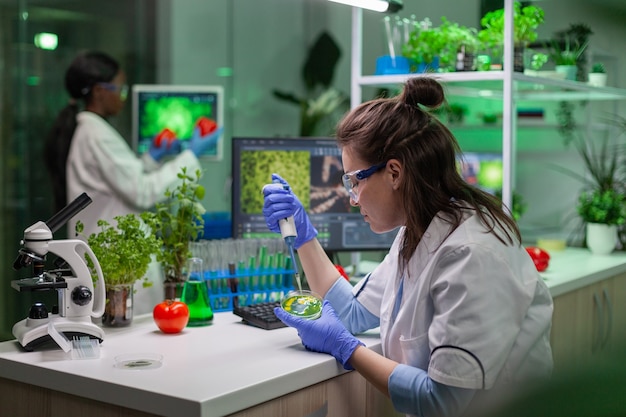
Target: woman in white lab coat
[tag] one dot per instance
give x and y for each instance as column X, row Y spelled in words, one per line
column 464, row 316
column 84, row 153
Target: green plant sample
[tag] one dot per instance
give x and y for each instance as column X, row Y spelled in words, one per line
column 123, row 251
column 177, row 221
column 258, row 167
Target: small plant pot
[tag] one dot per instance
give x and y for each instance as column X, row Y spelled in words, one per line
column 568, row 70
column 118, row 310
column 597, row 79
column 601, row 238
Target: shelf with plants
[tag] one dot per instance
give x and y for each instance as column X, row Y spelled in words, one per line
column 507, row 86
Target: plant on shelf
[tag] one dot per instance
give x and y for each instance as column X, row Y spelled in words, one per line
column 526, row 20
column 458, row 39
column 425, row 46
column 598, row 68
column 566, row 51
column 124, row 253
column 177, row 221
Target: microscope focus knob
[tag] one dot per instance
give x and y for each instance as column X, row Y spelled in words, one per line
column 38, row 311
column 81, row 295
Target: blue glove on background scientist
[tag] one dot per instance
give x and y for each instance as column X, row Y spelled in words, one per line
column 198, row 144
column 326, row 334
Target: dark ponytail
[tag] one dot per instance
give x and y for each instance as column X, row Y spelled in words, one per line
column 86, row 70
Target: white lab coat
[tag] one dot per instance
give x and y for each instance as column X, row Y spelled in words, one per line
column 102, row 164
column 474, row 312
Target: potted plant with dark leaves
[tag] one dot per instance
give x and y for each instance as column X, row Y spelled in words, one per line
column 602, row 201
column 124, row 252
column 177, row 221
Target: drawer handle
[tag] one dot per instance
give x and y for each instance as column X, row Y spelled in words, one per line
column 609, row 327
column 597, row 339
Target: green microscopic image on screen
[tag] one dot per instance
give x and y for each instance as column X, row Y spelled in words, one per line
column 257, row 168
column 177, row 108
column 178, row 114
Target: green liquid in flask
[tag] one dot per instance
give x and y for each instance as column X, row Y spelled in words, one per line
column 196, row 296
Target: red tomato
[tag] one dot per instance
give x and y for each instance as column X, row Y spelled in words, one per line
column 206, row 125
column 166, row 135
column 171, row 316
column 540, row 257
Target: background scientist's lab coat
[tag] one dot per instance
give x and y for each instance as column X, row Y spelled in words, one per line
column 102, row 164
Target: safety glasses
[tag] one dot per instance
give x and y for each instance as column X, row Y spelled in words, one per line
column 351, row 179
column 123, row 89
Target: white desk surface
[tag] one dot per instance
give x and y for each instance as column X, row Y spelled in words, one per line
column 227, row 366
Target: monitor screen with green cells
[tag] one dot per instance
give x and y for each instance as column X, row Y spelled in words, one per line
column 177, row 108
column 483, row 170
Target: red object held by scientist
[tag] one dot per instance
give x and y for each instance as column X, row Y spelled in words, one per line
column 166, row 135
column 206, row 125
column 540, row 257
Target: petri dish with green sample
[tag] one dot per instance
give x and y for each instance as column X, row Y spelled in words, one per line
column 303, row 304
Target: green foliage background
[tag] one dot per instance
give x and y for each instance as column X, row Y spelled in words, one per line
column 257, row 168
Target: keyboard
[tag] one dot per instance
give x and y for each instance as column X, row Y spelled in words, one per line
column 260, row 315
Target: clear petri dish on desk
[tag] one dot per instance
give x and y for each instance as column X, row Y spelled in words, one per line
column 303, row 304
column 139, row 361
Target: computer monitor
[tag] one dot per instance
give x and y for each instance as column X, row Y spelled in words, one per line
column 178, row 108
column 482, row 169
column 313, row 168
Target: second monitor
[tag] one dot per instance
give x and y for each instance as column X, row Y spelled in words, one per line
column 312, row 167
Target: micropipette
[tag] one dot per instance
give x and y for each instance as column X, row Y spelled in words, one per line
column 288, row 232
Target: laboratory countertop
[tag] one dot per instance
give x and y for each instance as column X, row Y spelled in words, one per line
column 228, row 366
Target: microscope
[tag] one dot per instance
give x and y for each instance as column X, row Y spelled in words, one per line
column 78, row 300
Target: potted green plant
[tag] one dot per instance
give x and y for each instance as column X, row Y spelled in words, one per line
column 565, row 54
column 526, row 20
column 124, row 252
column 177, row 221
column 597, row 76
column 602, row 202
column 424, row 47
column 461, row 45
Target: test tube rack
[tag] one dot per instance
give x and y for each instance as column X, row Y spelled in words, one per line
column 247, row 287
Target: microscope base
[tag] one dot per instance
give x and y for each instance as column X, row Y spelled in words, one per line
column 33, row 333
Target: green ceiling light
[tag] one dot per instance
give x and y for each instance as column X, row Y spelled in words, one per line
column 383, row 6
column 47, row 41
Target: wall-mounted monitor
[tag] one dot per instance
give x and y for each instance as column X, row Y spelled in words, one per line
column 313, row 168
column 178, row 108
column 482, row 169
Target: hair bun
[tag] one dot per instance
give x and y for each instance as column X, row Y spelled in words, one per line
column 423, row 90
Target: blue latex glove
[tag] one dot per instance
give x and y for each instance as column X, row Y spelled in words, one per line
column 199, row 144
column 326, row 334
column 166, row 149
column 281, row 203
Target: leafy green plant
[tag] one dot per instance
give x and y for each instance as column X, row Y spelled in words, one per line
column 123, row 251
column 598, row 68
column 538, row 60
column 602, row 206
column 526, row 20
column 177, row 221
column 566, row 52
column 424, row 45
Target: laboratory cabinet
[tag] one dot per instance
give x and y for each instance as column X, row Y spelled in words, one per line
column 345, row 395
column 589, row 323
